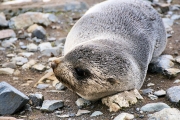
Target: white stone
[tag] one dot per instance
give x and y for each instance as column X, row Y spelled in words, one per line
column 96, row 113
column 8, row 71
column 32, row 47
column 124, row 116
column 44, row 46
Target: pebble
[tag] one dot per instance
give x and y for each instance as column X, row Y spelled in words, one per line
column 59, row 86
column 36, row 99
column 154, row 107
column 11, row 100
column 29, row 64
column 150, row 84
column 176, row 81
column 166, row 114
column 96, row 113
column 160, row 93
column 81, row 112
column 19, row 60
column 39, row 67
column 3, row 21
column 26, row 54
column 50, row 39
column 177, row 59
column 9, row 65
column 9, row 118
column 51, row 105
column 43, row 86
column 124, row 116
column 17, row 72
column 44, row 46
column 7, row 71
column 173, row 94
column 147, row 91
column 37, row 31
column 171, row 72
column 152, row 97
column 8, row 33
column 80, row 102
column 32, row 47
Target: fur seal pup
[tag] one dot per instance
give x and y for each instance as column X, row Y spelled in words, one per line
column 108, row 50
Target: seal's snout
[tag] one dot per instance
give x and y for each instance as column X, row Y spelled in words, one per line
column 55, row 63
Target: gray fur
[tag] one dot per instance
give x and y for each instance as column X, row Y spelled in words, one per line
column 115, row 40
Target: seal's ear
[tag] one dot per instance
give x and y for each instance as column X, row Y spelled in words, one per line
column 112, row 81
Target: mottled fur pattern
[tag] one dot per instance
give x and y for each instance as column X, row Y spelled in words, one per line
column 109, row 49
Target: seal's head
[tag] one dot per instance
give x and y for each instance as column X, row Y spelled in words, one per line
column 94, row 71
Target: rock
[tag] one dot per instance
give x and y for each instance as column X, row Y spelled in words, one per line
column 37, row 31
column 42, row 86
column 173, row 94
column 175, row 17
column 32, row 47
column 161, row 63
column 51, row 105
column 9, row 43
column 63, row 116
column 171, row 72
column 168, row 23
column 39, row 67
column 96, row 113
column 154, row 107
column 37, row 40
column 175, row 7
column 7, row 33
column 152, row 97
column 147, row 91
column 9, row 65
column 51, row 39
column 9, row 118
column 30, row 18
column 177, row 59
column 124, row 116
column 29, row 64
column 26, row 54
column 17, row 72
column 11, row 100
column 160, row 93
column 44, row 46
column 7, row 71
column 121, row 100
column 3, row 21
column 56, row 51
column 60, row 86
column 82, row 102
column 164, row 7
column 177, row 81
column 150, row 84
column 18, row 60
column 81, row 112
column 36, row 99
column 10, row 55
column 166, row 114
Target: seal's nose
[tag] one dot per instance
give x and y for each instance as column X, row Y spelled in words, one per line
column 55, row 63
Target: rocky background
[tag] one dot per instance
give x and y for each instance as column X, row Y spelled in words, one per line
column 33, row 32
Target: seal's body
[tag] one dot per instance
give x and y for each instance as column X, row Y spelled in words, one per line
column 109, row 49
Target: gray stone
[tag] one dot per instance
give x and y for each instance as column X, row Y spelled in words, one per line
column 29, row 64
column 177, row 59
column 32, row 47
column 154, row 107
column 51, row 105
column 36, row 99
column 37, row 31
column 7, row 71
column 30, row 18
column 173, row 94
column 3, row 21
column 152, row 97
column 160, row 93
column 44, row 46
column 9, row 43
column 177, row 81
column 43, row 86
column 37, row 40
column 22, row 60
column 7, row 33
column 175, row 17
column 39, row 67
column 161, row 63
column 9, row 65
column 96, row 113
column 147, row 91
column 11, row 100
column 56, row 51
column 124, row 116
column 166, row 114
column 59, row 86
column 82, row 102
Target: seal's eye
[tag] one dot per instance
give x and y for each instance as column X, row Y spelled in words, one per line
column 82, row 73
